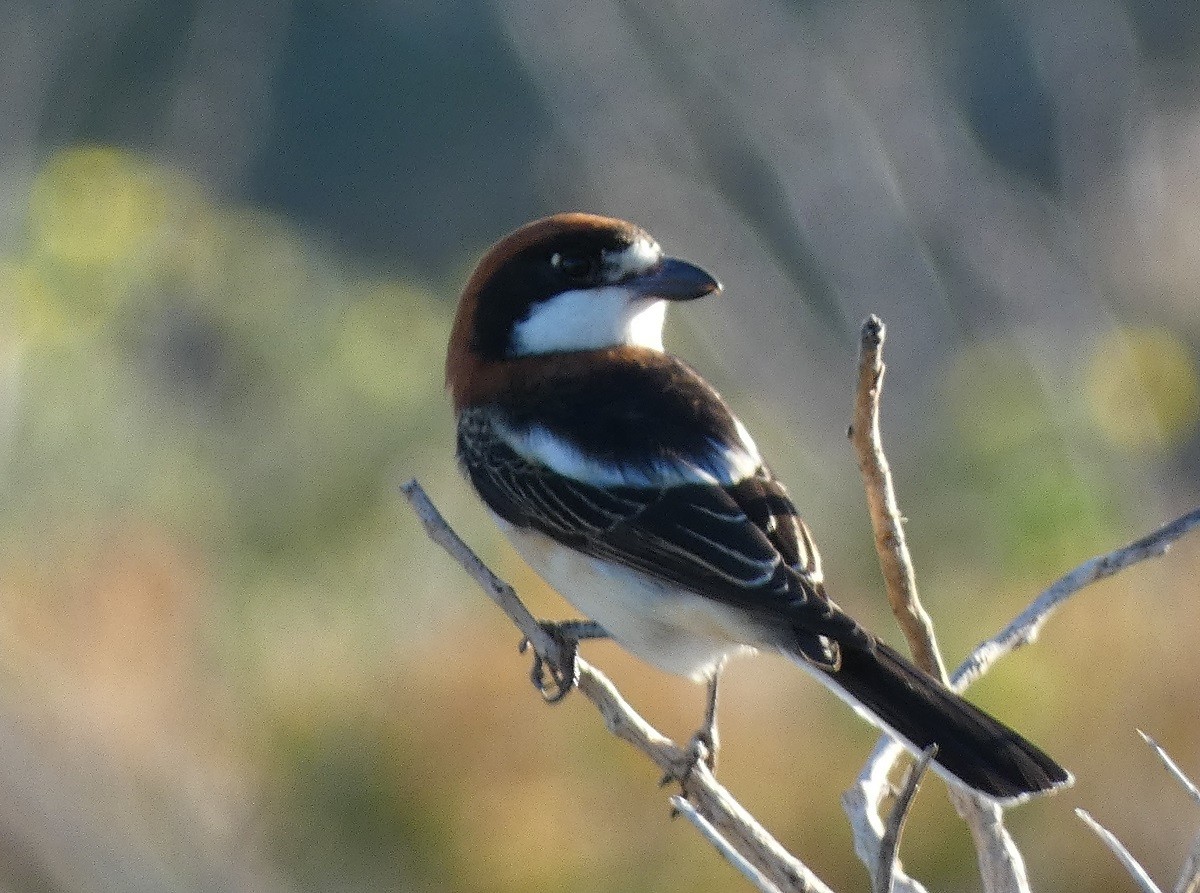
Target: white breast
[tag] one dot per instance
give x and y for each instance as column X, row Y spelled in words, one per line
column 675, row 630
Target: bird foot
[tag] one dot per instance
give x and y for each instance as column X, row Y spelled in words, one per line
column 554, row 675
column 704, row 743
column 702, row 748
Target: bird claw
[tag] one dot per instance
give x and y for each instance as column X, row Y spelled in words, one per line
column 704, row 746
column 701, row 749
column 554, row 675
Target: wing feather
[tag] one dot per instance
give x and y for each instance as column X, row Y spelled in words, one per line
column 741, row 544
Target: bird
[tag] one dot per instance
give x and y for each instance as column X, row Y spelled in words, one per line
column 625, row 480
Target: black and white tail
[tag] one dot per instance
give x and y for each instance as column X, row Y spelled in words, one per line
column 974, row 750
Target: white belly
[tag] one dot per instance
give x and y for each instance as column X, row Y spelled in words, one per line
column 675, row 630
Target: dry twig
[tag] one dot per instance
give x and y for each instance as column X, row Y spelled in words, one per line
column 883, row 878
column 1123, row 855
column 1189, row 877
column 886, row 520
column 684, row 807
column 1025, row 628
column 1001, row 867
column 1178, row 774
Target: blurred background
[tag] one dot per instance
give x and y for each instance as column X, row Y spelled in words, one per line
column 231, row 238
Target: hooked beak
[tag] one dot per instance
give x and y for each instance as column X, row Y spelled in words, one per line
column 674, row 280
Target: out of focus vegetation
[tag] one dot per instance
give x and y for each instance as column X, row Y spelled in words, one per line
column 230, row 243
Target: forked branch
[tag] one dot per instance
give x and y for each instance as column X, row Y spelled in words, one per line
column 1000, row 863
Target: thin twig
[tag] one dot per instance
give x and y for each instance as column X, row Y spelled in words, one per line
column 889, row 847
column 862, row 802
column 499, row 591
column 1001, row 867
column 711, row 800
column 886, row 520
column 1025, row 628
column 684, row 807
column 1189, row 876
column 1135, row 870
column 1173, row 767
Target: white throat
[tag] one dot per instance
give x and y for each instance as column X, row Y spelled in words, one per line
column 591, row 319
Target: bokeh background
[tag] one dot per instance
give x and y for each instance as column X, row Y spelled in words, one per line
column 231, row 237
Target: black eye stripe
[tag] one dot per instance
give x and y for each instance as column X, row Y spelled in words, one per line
column 576, row 267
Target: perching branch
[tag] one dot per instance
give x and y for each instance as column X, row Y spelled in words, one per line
column 500, row 592
column 723, row 816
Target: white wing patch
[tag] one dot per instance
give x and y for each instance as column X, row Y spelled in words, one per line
column 720, row 465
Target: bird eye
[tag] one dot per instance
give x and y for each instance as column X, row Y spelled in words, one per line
column 575, row 267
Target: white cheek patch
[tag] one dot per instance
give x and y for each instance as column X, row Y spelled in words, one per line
column 721, row 465
column 591, row 319
column 645, row 328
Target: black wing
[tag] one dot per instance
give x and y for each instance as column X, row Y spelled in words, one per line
column 743, row 545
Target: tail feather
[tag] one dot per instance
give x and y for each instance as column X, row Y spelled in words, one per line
column 974, row 750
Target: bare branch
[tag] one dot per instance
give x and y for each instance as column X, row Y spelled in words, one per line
column 1025, row 628
column 732, row 856
column 731, row 822
column 886, row 520
column 889, row 847
column 1173, row 767
column 500, row 592
column 1189, row 877
column 862, row 802
column 1123, row 855
column 1000, row 865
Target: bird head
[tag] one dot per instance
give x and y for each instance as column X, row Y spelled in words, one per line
column 567, row 283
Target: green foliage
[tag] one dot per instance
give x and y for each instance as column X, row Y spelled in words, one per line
column 1024, row 483
column 206, row 365
column 225, row 407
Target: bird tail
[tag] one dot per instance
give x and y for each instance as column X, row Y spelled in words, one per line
column 973, row 749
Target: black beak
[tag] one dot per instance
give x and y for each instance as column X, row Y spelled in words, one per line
column 675, row 280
